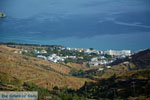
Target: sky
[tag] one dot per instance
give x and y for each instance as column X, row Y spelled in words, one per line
column 99, row 24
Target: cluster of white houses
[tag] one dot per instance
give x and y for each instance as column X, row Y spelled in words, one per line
column 89, row 51
column 20, row 51
column 40, row 51
column 103, row 61
column 94, row 61
column 54, row 58
column 100, row 60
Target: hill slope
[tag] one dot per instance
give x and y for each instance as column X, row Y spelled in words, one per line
column 40, row 72
column 142, row 59
column 133, row 85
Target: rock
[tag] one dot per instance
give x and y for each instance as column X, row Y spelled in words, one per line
column 2, row 15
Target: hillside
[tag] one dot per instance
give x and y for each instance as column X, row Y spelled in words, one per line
column 141, row 59
column 127, row 80
column 133, row 85
column 137, row 61
column 40, row 72
column 45, row 64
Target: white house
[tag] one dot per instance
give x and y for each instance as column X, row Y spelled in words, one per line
column 54, row 58
column 102, row 57
column 49, row 58
column 72, row 57
column 68, row 48
column 94, row 63
column 108, row 67
column 94, row 59
column 41, row 57
column 100, row 69
column 43, row 51
column 88, row 51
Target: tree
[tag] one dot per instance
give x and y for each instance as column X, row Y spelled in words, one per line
column 87, row 65
column 91, row 48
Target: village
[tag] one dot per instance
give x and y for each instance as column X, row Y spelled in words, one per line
column 65, row 54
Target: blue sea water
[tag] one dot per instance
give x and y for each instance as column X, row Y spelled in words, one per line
column 82, row 24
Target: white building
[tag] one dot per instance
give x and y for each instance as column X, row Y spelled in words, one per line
column 108, row 67
column 15, row 51
column 53, row 55
column 49, row 58
column 118, row 53
column 94, row 59
column 40, row 52
column 41, row 57
column 36, row 51
column 88, row 51
column 80, row 57
column 54, row 58
column 102, row 57
column 19, row 52
column 94, row 63
column 43, row 51
column 67, row 48
column 100, row 69
column 103, row 62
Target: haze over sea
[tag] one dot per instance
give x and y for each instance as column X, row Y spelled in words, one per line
column 100, row 24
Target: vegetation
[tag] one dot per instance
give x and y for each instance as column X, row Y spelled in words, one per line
column 42, row 92
column 87, row 73
column 114, row 88
column 31, row 53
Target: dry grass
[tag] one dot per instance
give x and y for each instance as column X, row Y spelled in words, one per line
column 77, row 66
column 83, row 66
column 28, row 69
column 117, row 69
